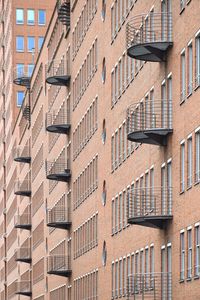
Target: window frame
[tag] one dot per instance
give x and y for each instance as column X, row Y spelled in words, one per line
column 17, row 21
column 29, row 22
column 19, row 105
column 30, row 50
column 41, row 10
column 18, row 38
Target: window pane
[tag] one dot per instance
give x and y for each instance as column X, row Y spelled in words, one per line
column 41, row 17
column 31, row 43
column 40, row 42
column 182, row 167
column 20, row 43
column 20, row 69
column 197, row 61
column 19, row 16
column 183, row 77
column 30, row 69
column 20, row 97
column 30, row 17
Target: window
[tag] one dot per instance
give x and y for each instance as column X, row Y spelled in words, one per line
column 30, row 69
column 163, row 190
column 183, row 79
column 152, row 266
column 197, row 251
column 163, row 271
column 182, row 4
column 120, row 211
column 164, row 105
column 169, row 94
column 20, row 98
column 197, row 83
column 116, row 279
column 31, row 43
column 169, row 186
column 20, row 69
column 113, row 280
column 189, row 253
column 112, row 152
column 169, row 270
column 19, row 16
column 30, row 17
column 40, row 42
column 19, row 43
column 182, row 185
column 116, row 214
column 120, row 278
column 197, row 156
column 146, row 268
column 189, row 162
column 41, row 17
column 190, row 69
column 124, row 276
column 113, row 216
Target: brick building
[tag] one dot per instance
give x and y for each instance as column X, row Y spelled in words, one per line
column 104, row 157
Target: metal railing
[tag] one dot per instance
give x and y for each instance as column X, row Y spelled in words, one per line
column 149, row 202
column 149, row 28
column 22, row 220
column 58, row 263
column 149, row 286
column 58, row 214
column 57, row 68
column 62, row 117
column 63, row 8
column 56, row 167
column 23, row 253
column 148, row 115
column 21, row 152
column 22, row 186
column 23, row 286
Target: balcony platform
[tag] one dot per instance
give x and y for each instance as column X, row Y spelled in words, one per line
column 23, row 193
column 26, row 260
column 23, row 226
column 23, row 159
column 62, row 80
column 60, row 225
column 23, row 81
column 153, row 136
column 151, row 51
column 65, row 176
column 63, row 273
column 151, row 221
column 24, row 293
column 59, row 128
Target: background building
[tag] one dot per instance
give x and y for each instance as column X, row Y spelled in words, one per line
column 105, row 157
column 23, row 27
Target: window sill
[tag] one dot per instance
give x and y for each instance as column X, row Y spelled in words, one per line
column 182, row 101
column 196, row 277
column 189, row 187
column 182, row 10
column 189, row 95
column 181, row 280
column 188, row 2
column 196, row 87
column 197, row 182
column 189, row 279
column 182, row 192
